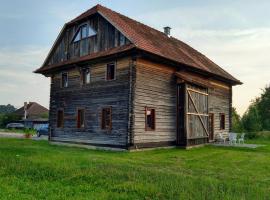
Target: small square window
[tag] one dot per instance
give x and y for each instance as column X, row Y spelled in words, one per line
column 64, row 80
column 222, row 121
column 150, row 119
column 60, row 119
column 106, row 119
column 110, row 73
column 86, row 76
column 80, row 118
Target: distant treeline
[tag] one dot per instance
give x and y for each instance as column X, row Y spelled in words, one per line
column 5, row 109
column 257, row 116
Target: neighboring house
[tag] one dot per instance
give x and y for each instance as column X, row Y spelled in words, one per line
column 32, row 114
column 116, row 82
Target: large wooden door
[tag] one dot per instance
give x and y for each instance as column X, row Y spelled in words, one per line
column 197, row 115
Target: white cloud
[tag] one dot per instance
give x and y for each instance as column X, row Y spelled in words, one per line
column 243, row 53
column 226, row 35
column 18, row 83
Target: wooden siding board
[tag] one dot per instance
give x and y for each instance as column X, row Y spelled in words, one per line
column 155, row 87
column 93, row 97
column 105, row 39
column 219, row 102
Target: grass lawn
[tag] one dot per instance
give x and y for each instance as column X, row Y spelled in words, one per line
column 36, row 170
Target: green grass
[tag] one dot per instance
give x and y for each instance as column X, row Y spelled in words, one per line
column 36, row 170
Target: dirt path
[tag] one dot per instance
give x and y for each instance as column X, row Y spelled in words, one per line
column 20, row 136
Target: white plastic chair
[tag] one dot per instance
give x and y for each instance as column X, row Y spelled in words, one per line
column 221, row 138
column 242, row 138
column 232, row 138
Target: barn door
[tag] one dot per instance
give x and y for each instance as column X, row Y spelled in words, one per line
column 197, row 114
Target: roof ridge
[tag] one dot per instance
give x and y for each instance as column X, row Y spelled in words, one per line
column 132, row 19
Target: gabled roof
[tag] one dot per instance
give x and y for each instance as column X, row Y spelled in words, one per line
column 155, row 42
column 33, row 110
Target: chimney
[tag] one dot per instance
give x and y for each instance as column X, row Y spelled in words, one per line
column 167, row 31
column 25, row 110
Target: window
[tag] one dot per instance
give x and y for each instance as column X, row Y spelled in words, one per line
column 64, row 81
column 83, row 32
column 106, row 119
column 86, row 76
column 60, row 119
column 222, row 121
column 110, row 72
column 80, row 118
column 150, row 119
column 121, row 39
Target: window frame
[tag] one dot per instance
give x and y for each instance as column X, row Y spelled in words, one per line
column 153, row 127
column 78, row 124
column 222, row 121
column 83, row 76
column 57, row 118
column 106, row 72
column 62, row 82
column 103, row 121
column 79, row 31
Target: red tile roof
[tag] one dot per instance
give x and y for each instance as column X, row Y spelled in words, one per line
column 34, row 110
column 155, row 42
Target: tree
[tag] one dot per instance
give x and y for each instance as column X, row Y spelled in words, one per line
column 252, row 121
column 236, row 122
column 4, row 109
column 264, row 108
column 8, row 118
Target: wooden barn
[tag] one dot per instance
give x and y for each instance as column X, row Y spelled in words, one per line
column 118, row 83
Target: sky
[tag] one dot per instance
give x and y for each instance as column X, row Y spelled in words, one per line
column 235, row 34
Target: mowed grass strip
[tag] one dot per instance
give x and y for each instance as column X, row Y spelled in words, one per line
column 37, row 170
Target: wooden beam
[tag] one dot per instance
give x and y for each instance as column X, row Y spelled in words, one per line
column 196, row 91
column 198, row 114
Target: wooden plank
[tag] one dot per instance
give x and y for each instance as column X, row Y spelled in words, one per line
column 205, row 129
column 198, row 114
column 196, row 91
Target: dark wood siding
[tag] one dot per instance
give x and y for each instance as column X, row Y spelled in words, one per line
column 93, row 98
column 155, row 88
column 107, row 37
column 220, row 102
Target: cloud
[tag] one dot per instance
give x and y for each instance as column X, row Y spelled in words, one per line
column 244, row 53
column 17, row 82
column 237, row 38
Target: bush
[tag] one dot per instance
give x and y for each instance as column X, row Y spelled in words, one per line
column 251, row 135
column 258, row 135
column 8, row 118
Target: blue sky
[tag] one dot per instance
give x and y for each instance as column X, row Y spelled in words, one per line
column 234, row 34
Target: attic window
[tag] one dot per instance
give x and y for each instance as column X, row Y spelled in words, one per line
column 83, row 32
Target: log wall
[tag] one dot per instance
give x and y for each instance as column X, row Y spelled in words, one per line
column 93, row 97
column 220, row 102
column 155, row 87
column 107, row 37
